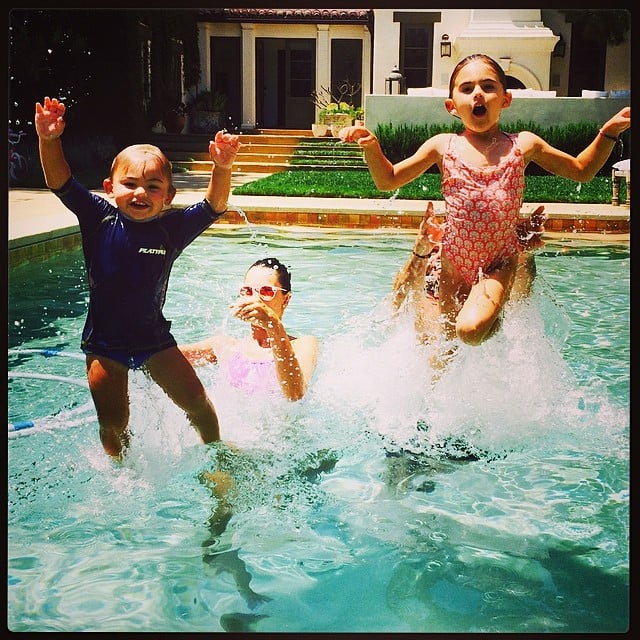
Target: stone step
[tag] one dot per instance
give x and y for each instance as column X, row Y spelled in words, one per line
column 263, row 151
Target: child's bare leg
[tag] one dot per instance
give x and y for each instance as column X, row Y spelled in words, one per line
column 477, row 320
column 175, row 375
column 108, row 382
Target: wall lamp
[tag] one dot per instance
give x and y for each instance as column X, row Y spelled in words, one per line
column 445, row 46
column 505, row 63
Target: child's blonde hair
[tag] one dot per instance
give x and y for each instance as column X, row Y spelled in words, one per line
column 138, row 155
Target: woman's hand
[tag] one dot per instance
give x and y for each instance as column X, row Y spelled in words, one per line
column 254, row 311
column 49, row 119
column 430, row 232
column 530, row 231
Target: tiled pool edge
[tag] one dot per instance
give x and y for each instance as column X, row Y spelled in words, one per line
column 606, row 228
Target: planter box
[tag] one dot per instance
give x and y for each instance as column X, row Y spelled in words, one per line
column 206, row 121
column 340, row 119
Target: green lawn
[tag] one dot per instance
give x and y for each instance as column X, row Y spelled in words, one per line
column 357, row 183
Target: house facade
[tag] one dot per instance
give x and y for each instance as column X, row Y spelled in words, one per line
column 269, row 61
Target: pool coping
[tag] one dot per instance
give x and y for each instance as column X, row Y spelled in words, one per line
column 39, row 224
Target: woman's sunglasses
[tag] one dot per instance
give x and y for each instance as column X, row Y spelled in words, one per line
column 266, row 292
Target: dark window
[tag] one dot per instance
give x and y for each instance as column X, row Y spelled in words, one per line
column 346, row 69
column 301, row 73
column 416, row 53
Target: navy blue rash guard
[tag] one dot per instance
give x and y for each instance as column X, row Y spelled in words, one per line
column 128, row 266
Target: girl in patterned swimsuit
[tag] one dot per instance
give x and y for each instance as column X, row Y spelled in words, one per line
column 269, row 360
column 482, row 183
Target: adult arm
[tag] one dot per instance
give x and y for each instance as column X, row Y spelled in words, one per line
column 295, row 360
column 410, row 278
column 201, row 352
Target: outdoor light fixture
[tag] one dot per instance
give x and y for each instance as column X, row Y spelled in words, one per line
column 395, row 81
column 560, row 48
column 505, row 63
column 445, row 46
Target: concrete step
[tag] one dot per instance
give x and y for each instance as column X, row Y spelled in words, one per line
column 263, row 151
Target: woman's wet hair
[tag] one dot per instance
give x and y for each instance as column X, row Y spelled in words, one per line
column 284, row 277
column 502, row 76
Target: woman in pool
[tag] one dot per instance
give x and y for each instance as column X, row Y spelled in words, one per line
column 269, row 359
column 483, row 184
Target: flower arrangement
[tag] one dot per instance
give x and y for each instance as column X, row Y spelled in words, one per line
column 338, row 108
column 335, row 109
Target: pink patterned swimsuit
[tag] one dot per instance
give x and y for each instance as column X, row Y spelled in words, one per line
column 482, row 206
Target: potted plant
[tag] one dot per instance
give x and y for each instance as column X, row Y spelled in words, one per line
column 318, row 129
column 206, row 111
column 335, row 111
column 173, row 119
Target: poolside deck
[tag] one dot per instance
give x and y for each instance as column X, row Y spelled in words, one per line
column 39, row 224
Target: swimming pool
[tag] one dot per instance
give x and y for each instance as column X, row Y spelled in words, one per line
column 492, row 499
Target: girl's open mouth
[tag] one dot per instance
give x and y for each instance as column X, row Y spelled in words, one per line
column 479, row 110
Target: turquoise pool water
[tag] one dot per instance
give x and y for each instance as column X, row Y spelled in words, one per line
column 359, row 509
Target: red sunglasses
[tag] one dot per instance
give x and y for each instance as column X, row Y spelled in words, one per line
column 266, row 292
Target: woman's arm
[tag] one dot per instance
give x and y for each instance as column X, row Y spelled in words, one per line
column 198, row 353
column 295, row 360
column 410, row 279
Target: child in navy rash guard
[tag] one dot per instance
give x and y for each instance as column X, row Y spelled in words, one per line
column 129, row 251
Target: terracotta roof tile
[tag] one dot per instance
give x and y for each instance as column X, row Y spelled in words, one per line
column 282, row 15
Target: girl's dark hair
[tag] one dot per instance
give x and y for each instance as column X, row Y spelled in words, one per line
column 284, row 277
column 502, row 76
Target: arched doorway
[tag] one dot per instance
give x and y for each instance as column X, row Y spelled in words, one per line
column 514, row 83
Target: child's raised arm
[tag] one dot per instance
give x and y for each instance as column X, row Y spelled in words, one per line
column 49, row 124
column 584, row 166
column 222, row 149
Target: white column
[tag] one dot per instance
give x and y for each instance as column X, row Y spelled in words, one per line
column 323, row 60
column 248, row 77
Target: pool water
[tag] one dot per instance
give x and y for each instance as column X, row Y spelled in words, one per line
column 493, row 497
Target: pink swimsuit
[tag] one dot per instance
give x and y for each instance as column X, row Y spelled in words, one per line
column 252, row 376
column 483, row 206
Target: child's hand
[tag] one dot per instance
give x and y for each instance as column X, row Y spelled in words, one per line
column 223, row 149
column 530, row 231
column 618, row 123
column 49, row 119
column 358, row 134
